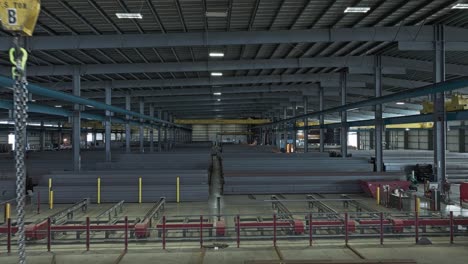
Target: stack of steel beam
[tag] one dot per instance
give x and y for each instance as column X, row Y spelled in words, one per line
column 124, row 185
column 406, row 160
column 120, row 178
column 164, row 160
column 7, row 189
column 246, row 171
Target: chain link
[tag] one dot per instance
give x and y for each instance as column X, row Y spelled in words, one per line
column 20, row 113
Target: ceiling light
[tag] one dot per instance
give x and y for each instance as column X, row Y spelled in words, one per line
column 32, row 100
column 460, row 6
column 400, row 103
column 355, row 9
column 217, row 93
column 216, row 54
column 216, row 74
column 407, row 129
column 129, row 15
column 219, row 100
column 58, row 106
column 216, row 14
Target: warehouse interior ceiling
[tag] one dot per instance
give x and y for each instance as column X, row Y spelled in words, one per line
column 275, row 53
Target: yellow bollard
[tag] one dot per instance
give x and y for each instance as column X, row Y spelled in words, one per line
column 139, row 190
column 51, row 203
column 7, row 211
column 178, row 190
column 418, row 204
column 98, row 190
column 50, row 188
column 378, row 196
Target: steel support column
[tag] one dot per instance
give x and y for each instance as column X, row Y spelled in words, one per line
column 76, row 127
column 440, row 124
column 294, row 127
column 378, row 115
column 108, row 124
column 173, row 136
column 461, row 137
column 285, row 127
column 306, row 124
column 321, row 118
column 128, row 131
column 344, row 116
column 151, row 130
column 160, row 131
column 142, row 128
column 166, row 114
column 278, row 131
column 42, row 137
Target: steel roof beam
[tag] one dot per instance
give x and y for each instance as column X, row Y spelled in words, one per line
column 377, row 34
column 358, row 64
column 326, row 80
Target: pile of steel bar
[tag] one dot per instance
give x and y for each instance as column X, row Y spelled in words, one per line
column 125, row 185
column 406, row 160
column 7, row 189
column 192, row 160
column 246, row 171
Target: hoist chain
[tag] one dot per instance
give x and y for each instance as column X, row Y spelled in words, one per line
column 20, row 112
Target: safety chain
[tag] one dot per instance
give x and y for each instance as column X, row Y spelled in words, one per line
column 18, row 57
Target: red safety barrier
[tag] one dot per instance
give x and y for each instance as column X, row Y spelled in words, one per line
column 39, row 231
column 297, row 225
column 201, row 231
column 220, row 228
column 451, row 227
column 126, row 233
column 346, row 229
column 238, row 230
column 310, row 229
column 9, row 235
column 49, row 234
column 164, row 232
column 463, row 193
column 87, row 234
column 36, row 231
column 381, row 228
column 274, row 230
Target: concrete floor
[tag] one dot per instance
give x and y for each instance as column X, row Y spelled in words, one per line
column 231, row 205
column 327, row 250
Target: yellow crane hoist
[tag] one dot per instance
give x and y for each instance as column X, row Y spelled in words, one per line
column 457, row 102
column 19, row 16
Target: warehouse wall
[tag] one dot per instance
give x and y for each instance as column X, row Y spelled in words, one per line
column 416, row 139
column 209, row 132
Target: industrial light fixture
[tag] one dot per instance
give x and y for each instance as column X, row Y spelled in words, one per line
column 460, row 6
column 129, row 15
column 400, row 103
column 216, row 54
column 217, row 93
column 407, row 129
column 58, row 106
column 216, row 74
column 32, row 100
column 219, row 100
column 215, row 14
column 355, row 9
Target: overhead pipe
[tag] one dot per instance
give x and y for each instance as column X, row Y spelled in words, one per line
column 38, row 90
column 56, row 111
column 450, row 85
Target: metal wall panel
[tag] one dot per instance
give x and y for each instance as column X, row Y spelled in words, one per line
column 211, row 132
column 452, row 140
